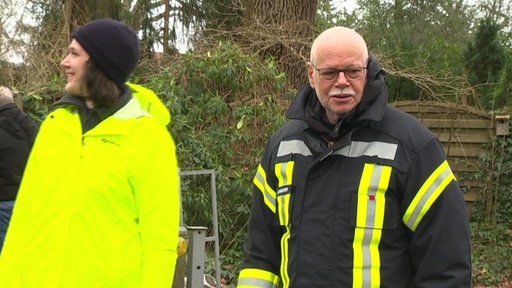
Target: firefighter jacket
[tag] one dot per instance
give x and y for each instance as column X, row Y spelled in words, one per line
column 98, row 208
column 369, row 202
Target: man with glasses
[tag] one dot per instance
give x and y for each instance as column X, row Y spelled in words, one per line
column 352, row 192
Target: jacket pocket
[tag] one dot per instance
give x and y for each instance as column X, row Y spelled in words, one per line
column 373, row 207
column 366, row 218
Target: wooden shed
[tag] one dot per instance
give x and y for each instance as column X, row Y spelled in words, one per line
column 465, row 134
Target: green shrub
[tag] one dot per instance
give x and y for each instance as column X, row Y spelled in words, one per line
column 224, row 104
column 491, row 254
column 38, row 98
column 491, row 220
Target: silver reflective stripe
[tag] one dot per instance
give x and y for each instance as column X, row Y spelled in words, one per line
column 428, row 193
column 368, row 237
column 372, row 191
column 367, row 258
column 371, row 203
column 293, row 147
column 261, row 183
column 284, row 174
column 379, row 149
column 255, row 282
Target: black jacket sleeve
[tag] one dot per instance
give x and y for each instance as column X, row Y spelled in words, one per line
column 440, row 243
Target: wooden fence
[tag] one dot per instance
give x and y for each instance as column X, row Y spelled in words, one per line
column 465, row 134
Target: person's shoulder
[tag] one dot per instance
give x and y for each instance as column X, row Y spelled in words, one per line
column 148, row 124
column 292, row 126
column 9, row 109
column 10, row 128
column 404, row 127
column 288, row 130
column 396, row 114
column 150, row 102
column 10, row 113
column 6, row 123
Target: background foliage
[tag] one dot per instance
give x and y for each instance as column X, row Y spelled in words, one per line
column 228, row 69
column 491, row 221
column 223, row 112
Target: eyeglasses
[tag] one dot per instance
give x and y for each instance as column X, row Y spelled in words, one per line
column 332, row 74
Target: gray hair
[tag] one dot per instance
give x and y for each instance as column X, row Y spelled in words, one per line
column 5, row 95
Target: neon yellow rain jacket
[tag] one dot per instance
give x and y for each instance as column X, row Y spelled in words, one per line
column 99, row 209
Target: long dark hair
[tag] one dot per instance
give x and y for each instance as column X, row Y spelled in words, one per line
column 100, row 89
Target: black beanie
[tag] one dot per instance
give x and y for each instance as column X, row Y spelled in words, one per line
column 112, row 45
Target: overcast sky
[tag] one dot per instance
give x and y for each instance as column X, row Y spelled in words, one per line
column 20, row 4
column 349, row 4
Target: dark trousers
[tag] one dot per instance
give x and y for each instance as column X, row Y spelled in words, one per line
column 5, row 218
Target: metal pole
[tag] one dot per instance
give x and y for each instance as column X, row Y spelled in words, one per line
column 215, row 237
column 179, row 272
column 215, row 229
column 195, row 267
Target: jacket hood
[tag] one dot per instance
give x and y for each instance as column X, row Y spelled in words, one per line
column 150, row 102
column 305, row 106
column 147, row 101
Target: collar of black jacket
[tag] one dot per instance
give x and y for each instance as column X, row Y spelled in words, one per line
column 90, row 117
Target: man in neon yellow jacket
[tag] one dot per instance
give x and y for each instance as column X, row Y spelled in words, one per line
column 99, row 204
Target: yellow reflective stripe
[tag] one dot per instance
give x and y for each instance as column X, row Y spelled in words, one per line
column 371, row 203
column 284, row 204
column 257, row 278
column 284, row 174
column 269, row 195
column 284, row 257
column 427, row 195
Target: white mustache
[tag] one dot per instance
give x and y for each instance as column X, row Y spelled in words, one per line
column 345, row 91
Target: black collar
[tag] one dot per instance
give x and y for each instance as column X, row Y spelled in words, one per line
column 90, row 117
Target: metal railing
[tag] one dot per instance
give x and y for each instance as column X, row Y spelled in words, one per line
column 197, row 239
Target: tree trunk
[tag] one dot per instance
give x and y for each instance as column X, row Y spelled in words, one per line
column 74, row 14
column 79, row 12
column 282, row 29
